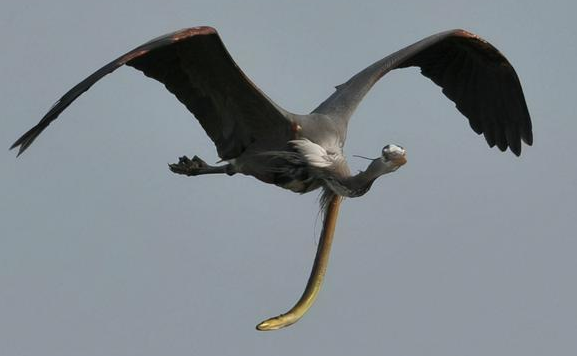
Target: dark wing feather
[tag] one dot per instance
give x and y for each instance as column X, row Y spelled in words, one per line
column 195, row 66
column 472, row 73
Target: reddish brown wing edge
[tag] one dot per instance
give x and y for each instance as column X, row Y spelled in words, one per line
column 341, row 104
column 28, row 138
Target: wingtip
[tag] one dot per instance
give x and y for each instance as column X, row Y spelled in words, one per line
column 20, row 150
column 17, row 153
column 516, row 152
column 528, row 138
column 28, row 138
column 16, row 144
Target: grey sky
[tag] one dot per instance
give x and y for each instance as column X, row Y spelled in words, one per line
column 463, row 251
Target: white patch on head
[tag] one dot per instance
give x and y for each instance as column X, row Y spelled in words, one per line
column 393, row 151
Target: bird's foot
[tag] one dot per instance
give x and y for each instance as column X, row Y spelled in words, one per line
column 189, row 167
column 196, row 166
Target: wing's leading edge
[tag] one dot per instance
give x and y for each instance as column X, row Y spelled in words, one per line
column 471, row 72
column 195, row 66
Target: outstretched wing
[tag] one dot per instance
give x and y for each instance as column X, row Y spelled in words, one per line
column 472, row 73
column 195, row 66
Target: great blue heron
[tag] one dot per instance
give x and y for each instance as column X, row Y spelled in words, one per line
column 256, row 137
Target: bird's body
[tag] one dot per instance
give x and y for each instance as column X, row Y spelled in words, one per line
column 302, row 153
column 312, row 150
column 289, row 162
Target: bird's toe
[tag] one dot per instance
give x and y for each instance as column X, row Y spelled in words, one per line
column 197, row 162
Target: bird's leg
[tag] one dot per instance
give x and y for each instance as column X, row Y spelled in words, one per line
column 317, row 274
column 196, row 166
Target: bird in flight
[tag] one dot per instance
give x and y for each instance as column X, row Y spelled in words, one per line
column 302, row 153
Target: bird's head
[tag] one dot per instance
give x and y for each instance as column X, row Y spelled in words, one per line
column 393, row 157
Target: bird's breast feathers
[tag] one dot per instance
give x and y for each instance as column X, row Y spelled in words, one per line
column 315, row 155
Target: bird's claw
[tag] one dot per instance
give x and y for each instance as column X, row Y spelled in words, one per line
column 187, row 166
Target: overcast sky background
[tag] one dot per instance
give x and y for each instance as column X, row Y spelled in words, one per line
column 103, row 251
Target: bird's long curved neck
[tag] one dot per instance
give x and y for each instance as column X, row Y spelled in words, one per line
column 358, row 184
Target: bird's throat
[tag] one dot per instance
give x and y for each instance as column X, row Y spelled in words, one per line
column 359, row 184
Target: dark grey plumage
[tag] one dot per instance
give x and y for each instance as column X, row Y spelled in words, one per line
column 304, row 152
column 472, row 73
column 246, row 125
column 195, row 66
